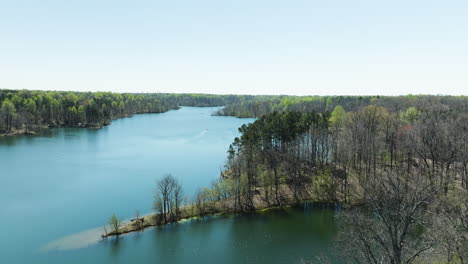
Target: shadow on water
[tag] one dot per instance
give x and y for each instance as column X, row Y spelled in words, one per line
column 8, row 141
column 296, row 234
column 288, row 235
column 168, row 245
column 46, row 133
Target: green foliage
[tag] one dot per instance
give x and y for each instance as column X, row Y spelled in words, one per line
column 257, row 106
column 323, row 184
column 395, row 166
column 35, row 109
column 410, row 115
column 337, row 116
column 8, row 108
column 115, row 224
column 8, row 112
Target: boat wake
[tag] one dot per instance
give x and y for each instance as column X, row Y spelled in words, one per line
column 201, row 134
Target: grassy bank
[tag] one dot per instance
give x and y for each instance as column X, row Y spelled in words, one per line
column 225, row 206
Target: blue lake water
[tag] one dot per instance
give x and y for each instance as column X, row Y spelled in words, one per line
column 58, row 189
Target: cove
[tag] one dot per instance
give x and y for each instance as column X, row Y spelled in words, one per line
column 59, row 188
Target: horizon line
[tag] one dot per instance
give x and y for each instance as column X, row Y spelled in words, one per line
column 227, row 94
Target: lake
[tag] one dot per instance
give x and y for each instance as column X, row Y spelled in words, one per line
column 59, row 188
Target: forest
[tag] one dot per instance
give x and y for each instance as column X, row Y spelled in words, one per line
column 401, row 172
column 399, row 166
column 27, row 111
column 24, row 111
column 262, row 105
column 402, row 176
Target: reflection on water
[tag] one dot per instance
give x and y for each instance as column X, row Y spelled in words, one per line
column 275, row 236
column 115, row 244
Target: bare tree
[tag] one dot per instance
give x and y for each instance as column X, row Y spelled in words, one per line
column 178, row 197
column 200, row 201
column 158, row 207
column 389, row 227
column 168, row 198
column 451, row 231
column 162, row 203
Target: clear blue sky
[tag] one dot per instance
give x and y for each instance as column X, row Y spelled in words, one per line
column 243, row 46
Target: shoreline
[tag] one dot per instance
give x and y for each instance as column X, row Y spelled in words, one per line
column 37, row 130
column 153, row 220
column 19, row 132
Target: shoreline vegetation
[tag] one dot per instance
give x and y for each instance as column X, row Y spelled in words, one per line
column 17, row 132
column 188, row 212
column 402, row 174
column 402, row 159
column 37, row 129
column 27, row 111
column 152, row 220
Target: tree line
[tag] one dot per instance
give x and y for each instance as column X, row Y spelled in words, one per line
column 401, row 172
column 262, row 105
column 24, row 111
column 30, row 110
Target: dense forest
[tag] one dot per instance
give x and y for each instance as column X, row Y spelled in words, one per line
column 404, row 174
column 399, row 165
column 23, row 111
column 401, row 173
column 261, row 105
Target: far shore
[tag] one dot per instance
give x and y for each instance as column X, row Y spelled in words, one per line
column 37, row 129
column 18, row 132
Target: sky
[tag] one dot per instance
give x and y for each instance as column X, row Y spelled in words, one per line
column 310, row 47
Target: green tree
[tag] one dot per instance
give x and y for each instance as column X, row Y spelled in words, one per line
column 410, row 115
column 337, row 116
column 81, row 114
column 8, row 111
column 115, row 224
column 31, row 109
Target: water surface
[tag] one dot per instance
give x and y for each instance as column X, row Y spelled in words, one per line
column 59, row 188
